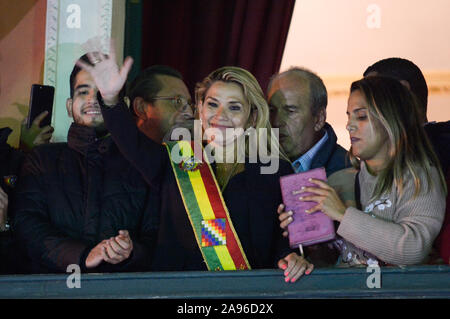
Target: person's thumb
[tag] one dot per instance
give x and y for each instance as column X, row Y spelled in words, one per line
column 282, row 264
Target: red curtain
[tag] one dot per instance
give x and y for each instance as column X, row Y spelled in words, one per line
column 198, row 36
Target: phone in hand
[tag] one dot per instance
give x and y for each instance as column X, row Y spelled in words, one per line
column 41, row 99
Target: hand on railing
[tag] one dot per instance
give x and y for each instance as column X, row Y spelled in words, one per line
column 294, row 267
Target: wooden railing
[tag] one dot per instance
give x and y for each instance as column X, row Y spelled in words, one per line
column 409, row 282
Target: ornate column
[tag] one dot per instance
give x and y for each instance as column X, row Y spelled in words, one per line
column 70, row 24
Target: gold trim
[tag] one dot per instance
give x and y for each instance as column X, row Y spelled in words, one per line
column 338, row 85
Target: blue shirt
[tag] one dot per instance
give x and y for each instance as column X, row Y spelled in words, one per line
column 303, row 163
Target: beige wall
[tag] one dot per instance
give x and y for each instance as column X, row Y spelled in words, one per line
column 339, row 39
column 22, row 49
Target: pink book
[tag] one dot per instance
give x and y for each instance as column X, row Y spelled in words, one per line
column 305, row 229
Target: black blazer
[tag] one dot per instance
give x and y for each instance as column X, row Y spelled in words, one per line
column 251, row 199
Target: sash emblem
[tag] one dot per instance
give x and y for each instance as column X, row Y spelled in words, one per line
column 190, row 164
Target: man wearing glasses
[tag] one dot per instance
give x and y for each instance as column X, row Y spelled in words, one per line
column 160, row 102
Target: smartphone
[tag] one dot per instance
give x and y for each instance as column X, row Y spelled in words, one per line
column 41, row 99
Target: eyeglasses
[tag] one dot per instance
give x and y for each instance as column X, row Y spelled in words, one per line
column 179, row 102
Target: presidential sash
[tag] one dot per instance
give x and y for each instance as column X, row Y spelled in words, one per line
column 206, row 209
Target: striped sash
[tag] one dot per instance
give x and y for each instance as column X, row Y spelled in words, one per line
column 206, row 209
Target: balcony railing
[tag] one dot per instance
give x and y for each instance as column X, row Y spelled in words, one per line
column 408, row 282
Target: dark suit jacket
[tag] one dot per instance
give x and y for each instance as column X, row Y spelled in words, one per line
column 12, row 258
column 439, row 135
column 251, row 199
column 331, row 155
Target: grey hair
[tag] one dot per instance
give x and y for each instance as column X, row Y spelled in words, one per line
column 318, row 93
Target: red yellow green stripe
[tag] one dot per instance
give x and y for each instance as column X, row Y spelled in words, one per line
column 221, row 211
column 203, row 201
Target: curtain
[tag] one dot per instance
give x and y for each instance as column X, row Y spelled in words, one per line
column 198, row 36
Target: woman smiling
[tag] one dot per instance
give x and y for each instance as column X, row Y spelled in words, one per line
column 201, row 222
column 230, row 103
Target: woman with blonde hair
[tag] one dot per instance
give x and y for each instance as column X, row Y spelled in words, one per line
column 400, row 188
column 259, row 141
column 208, row 216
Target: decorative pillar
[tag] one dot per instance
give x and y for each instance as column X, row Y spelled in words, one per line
column 70, row 24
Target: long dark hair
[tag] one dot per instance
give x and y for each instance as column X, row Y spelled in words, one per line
column 397, row 111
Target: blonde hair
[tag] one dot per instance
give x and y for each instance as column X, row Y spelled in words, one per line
column 396, row 110
column 253, row 94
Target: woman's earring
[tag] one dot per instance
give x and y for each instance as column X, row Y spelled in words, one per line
column 249, row 130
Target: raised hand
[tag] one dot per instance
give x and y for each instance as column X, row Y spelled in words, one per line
column 107, row 75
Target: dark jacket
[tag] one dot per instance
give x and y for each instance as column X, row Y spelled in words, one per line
column 71, row 196
column 331, row 155
column 439, row 135
column 11, row 258
column 10, row 159
column 251, row 199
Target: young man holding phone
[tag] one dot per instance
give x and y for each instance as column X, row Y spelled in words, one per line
column 80, row 202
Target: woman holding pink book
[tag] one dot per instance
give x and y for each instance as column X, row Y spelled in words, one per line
column 399, row 186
